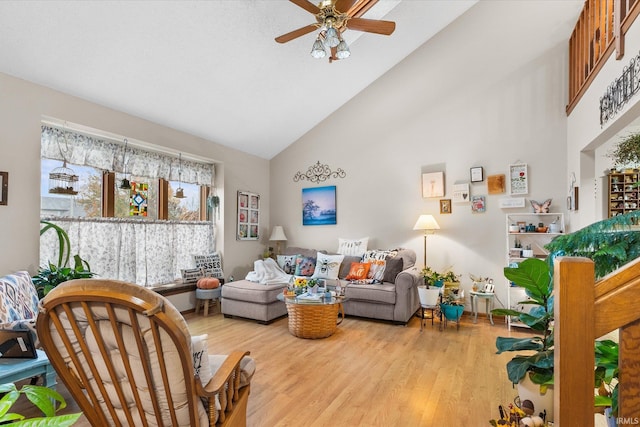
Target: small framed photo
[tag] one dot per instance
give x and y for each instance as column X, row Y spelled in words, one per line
column 445, row 206
column 477, row 174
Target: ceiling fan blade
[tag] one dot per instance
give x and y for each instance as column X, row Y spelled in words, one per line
column 371, row 26
column 343, row 6
column 307, row 5
column 296, row 33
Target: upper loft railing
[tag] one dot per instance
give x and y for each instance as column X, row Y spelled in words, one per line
column 584, row 311
column 600, row 30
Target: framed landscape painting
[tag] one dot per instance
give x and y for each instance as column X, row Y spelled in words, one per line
column 319, row 206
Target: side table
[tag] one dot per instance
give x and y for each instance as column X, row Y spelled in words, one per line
column 488, row 299
column 12, row 370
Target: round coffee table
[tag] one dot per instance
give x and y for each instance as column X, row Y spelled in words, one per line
column 313, row 319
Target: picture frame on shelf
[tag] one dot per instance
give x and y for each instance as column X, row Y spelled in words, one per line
column 518, row 179
column 248, row 217
column 477, row 174
column 445, row 206
column 433, row 184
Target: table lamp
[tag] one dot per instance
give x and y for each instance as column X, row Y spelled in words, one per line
column 277, row 235
column 429, row 225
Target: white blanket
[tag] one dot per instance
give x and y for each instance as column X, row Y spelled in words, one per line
column 267, row 271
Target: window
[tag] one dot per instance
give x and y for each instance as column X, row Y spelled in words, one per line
column 149, row 247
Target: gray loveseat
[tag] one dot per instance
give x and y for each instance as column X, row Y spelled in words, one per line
column 395, row 299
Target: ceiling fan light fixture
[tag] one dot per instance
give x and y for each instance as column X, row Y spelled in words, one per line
column 332, row 38
column 343, row 52
column 317, row 51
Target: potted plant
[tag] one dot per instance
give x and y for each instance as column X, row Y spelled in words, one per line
column 606, row 376
column 42, row 397
column 53, row 274
column 627, row 152
column 536, row 366
column 429, row 293
column 452, row 305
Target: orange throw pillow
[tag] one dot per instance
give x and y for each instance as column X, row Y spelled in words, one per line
column 358, row 271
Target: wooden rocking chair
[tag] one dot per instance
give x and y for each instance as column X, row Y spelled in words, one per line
column 124, row 353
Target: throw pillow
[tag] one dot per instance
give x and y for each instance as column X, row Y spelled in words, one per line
column 346, row 265
column 287, row 263
column 376, row 271
column 358, row 271
column 356, row 247
column 210, row 263
column 327, row 266
column 305, row 266
column 394, row 266
column 200, row 352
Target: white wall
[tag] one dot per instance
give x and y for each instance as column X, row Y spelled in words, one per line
column 450, row 104
column 22, row 107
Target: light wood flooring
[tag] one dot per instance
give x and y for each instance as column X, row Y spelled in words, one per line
column 368, row 373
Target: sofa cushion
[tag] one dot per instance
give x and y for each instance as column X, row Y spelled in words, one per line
column 356, row 247
column 327, row 266
column 379, row 292
column 18, row 298
column 358, row 271
column 346, row 265
column 394, row 266
column 244, row 290
column 305, row 266
column 287, row 263
column 309, row 253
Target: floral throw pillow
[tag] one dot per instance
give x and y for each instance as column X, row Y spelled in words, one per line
column 305, row 266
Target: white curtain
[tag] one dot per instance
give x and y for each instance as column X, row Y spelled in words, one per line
column 85, row 150
column 144, row 252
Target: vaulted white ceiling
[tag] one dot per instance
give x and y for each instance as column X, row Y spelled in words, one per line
column 210, row 68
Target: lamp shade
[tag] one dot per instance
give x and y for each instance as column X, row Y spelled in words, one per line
column 277, row 234
column 426, row 222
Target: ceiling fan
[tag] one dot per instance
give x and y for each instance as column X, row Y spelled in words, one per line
column 333, row 17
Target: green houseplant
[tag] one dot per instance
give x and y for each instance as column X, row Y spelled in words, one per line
column 53, row 274
column 627, row 151
column 535, row 276
column 43, row 398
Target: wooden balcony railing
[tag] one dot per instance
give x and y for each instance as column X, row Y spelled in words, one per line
column 584, row 311
column 599, row 31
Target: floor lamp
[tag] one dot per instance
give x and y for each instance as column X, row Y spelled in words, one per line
column 429, row 225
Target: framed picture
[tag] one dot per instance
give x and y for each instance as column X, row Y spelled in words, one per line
column 477, row 174
column 445, row 206
column 4, row 187
column 461, row 193
column 248, row 216
column 319, row 206
column 496, row 184
column 478, row 204
column 433, row 184
column 518, row 179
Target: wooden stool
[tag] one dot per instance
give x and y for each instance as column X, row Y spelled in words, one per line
column 206, row 295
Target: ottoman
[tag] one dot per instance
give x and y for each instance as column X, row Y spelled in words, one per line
column 251, row 300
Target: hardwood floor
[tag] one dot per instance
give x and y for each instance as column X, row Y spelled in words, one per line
column 368, row 373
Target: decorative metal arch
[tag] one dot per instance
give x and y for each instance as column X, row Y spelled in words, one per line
column 319, row 173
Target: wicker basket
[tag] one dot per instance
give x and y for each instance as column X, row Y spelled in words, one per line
column 314, row 320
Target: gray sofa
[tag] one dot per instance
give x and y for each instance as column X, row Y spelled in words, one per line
column 395, row 299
